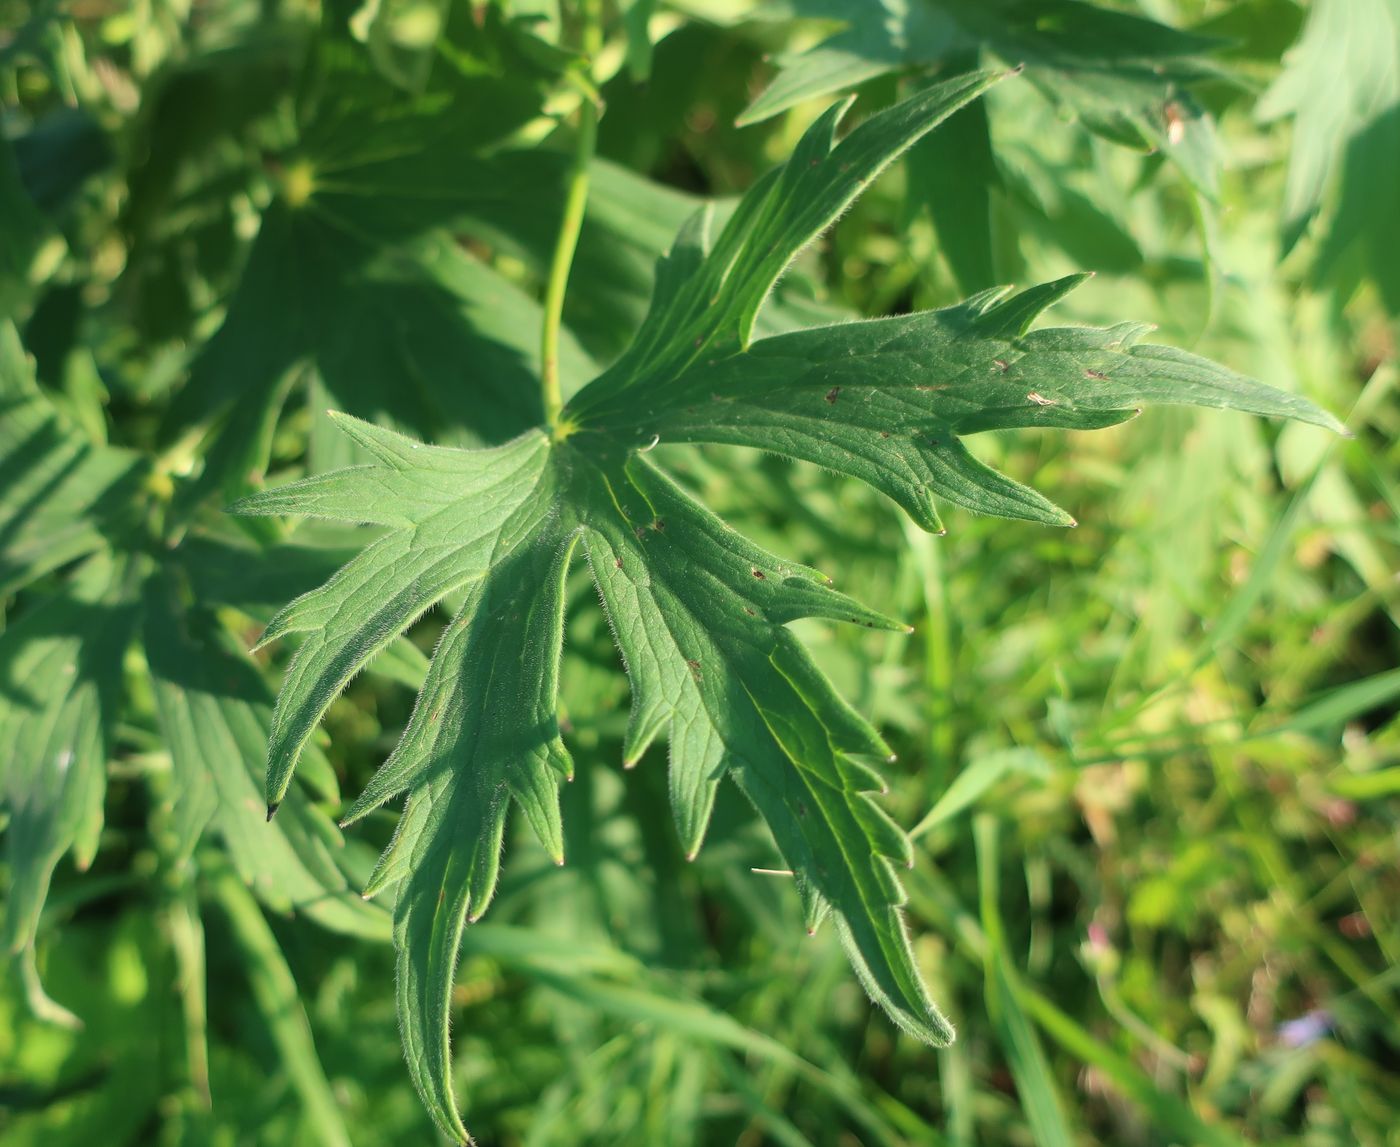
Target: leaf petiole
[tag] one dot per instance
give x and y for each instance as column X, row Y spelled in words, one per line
column 575, row 200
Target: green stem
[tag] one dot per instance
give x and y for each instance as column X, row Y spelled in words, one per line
column 575, row 200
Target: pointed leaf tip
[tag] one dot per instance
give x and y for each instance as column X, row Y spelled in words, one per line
column 779, row 708
column 272, row 810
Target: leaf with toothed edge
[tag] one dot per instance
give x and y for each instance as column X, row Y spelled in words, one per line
column 699, row 613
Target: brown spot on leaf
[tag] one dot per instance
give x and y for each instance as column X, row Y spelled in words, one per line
column 759, row 574
column 1041, row 400
column 831, row 395
column 1096, row 374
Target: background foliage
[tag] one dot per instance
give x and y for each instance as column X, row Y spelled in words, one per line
column 1152, row 762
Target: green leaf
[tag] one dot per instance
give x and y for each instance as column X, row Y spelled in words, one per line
column 23, row 230
column 60, row 496
column 699, row 613
column 317, row 308
column 455, row 511
column 214, row 713
column 1365, row 228
column 1339, row 79
column 976, row 779
column 1025, row 1056
column 1122, row 76
column 953, row 172
column 888, row 400
column 60, row 685
column 275, row 993
column 636, row 15
column 351, row 283
column 355, row 290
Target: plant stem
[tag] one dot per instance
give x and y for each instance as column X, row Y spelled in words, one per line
column 575, row 200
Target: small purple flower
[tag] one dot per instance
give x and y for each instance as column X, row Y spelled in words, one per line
column 1306, row 1029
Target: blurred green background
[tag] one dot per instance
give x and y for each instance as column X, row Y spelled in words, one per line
column 1152, row 764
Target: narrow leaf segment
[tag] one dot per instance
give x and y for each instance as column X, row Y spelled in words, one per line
column 699, row 613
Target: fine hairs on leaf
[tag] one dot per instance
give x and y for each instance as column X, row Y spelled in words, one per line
column 699, row 613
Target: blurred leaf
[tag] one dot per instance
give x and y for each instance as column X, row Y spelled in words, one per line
column 60, row 685
column 1168, row 1112
column 1345, row 704
column 636, row 16
column 60, row 496
column 214, row 712
column 954, row 173
column 23, row 231
column 279, row 1002
column 976, row 779
column 1368, row 786
column 1035, row 1084
column 62, row 152
column 1340, row 83
column 1124, row 76
column 1364, row 227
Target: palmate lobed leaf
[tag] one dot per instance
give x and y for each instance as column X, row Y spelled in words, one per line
column 699, row 613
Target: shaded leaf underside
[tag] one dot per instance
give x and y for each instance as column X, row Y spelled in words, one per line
column 60, row 679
